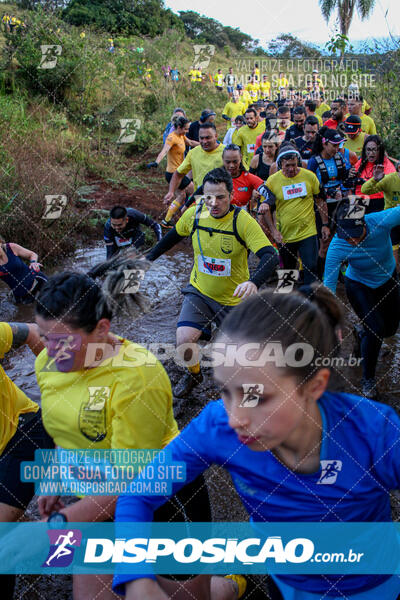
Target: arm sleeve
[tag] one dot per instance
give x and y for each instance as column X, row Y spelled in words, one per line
column 269, row 197
column 191, row 199
column 372, row 187
column 186, row 166
column 267, row 265
column 386, row 459
column 312, row 165
column 187, row 447
column 389, row 218
column 333, row 262
column 110, row 250
column 166, row 243
column 140, row 217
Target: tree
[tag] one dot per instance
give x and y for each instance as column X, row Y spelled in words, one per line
column 287, row 45
column 345, row 11
column 209, row 31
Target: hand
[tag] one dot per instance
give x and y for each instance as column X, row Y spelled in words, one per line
column 277, row 237
column 35, row 266
column 263, row 208
column 378, row 172
column 152, row 165
column 352, row 172
column 326, row 233
column 245, row 289
column 49, row 504
column 169, row 196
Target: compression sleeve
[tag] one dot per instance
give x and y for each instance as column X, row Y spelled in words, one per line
column 110, row 250
column 267, row 265
column 192, row 198
column 166, row 243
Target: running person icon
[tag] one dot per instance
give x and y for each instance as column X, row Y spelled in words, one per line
column 62, row 542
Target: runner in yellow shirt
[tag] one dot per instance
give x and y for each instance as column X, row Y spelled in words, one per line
column 367, row 123
column 199, row 160
column 321, row 106
column 219, row 80
column 246, row 136
column 253, row 87
column 221, row 237
column 265, row 88
column 355, row 137
column 99, row 391
column 232, row 109
column 256, row 71
column 293, row 190
column 192, row 74
column 199, row 75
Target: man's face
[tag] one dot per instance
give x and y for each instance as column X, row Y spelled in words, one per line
column 251, row 119
column 235, row 97
column 119, row 224
column 310, row 132
column 290, row 167
column 289, row 103
column 284, row 119
column 337, row 111
column 217, row 199
column 299, row 120
column 208, row 139
column 354, row 106
column 231, row 160
column 353, row 136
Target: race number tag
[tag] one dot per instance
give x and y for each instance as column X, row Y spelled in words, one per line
column 250, row 147
column 122, row 242
column 219, row 267
column 295, row 190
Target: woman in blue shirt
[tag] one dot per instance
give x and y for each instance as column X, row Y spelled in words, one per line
column 24, row 281
column 277, row 444
column 371, row 281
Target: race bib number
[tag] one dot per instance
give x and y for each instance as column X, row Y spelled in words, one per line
column 122, row 242
column 250, row 148
column 218, row 267
column 295, row 190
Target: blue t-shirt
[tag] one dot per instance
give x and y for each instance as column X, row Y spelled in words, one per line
column 331, row 167
column 371, row 262
column 360, row 439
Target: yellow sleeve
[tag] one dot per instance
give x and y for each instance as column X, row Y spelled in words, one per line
column 236, row 139
column 186, row 166
column 225, row 109
column 6, row 338
column 372, row 187
column 142, row 415
column 185, row 224
column 251, row 232
column 373, row 127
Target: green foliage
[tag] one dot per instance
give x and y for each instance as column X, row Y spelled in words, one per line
column 209, row 31
column 339, row 43
column 345, row 11
column 287, row 45
column 123, row 16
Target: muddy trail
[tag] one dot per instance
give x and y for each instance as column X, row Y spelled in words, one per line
column 162, row 284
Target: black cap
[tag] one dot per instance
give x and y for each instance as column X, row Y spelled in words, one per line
column 352, row 124
column 348, row 227
column 205, row 114
column 333, row 136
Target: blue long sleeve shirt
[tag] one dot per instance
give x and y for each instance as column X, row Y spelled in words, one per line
column 371, row 262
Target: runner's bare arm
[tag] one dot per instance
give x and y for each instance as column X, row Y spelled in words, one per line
column 26, row 333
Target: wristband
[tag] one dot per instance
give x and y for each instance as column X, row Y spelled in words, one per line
column 33, row 260
column 325, row 224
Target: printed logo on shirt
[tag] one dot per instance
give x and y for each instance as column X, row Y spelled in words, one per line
column 295, row 190
column 226, row 244
column 92, row 414
column 120, row 241
column 250, row 147
column 218, row 267
column 329, row 471
column 243, row 189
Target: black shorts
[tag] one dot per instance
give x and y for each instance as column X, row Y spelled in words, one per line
column 30, row 436
column 395, row 235
column 184, row 183
column 200, row 311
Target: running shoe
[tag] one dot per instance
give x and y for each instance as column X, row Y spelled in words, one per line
column 369, row 389
column 187, row 383
column 167, row 224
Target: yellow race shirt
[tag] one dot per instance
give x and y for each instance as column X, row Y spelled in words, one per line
column 201, row 162
column 265, row 88
column 283, row 82
column 219, row 79
column 124, row 402
column 245, row 98
column 389, row 185
column 323, row 107
column 295, row 204
column 13, row 401
column 199, row 76
column 192, row 74
column 365, row 106
column 176, row 152
column 257, row 73
column 355, row 144
column 232, row 110
column 253, row 89
column 246, row 139
column 225, row 259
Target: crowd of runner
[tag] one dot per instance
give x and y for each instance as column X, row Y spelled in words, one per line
column 309, row 190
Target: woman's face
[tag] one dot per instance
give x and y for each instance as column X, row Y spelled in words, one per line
column 183, row 130
column 69, row 347
column 269, row 148
column 231, row 160
column 371, row 151
column 277, row 414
